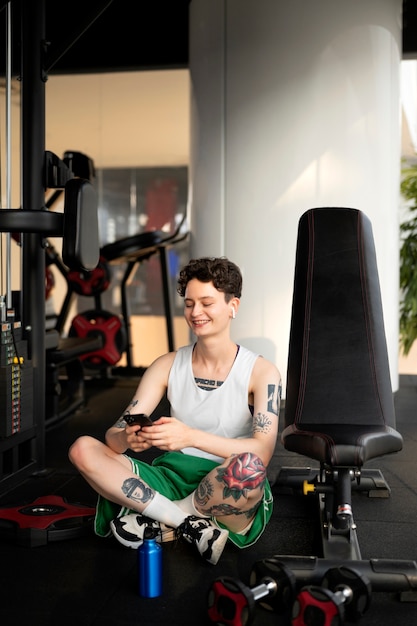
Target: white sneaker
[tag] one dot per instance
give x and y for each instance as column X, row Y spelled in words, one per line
column 208, row 538
column 129, row 530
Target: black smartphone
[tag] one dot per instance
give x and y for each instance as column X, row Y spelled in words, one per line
column 139, row 418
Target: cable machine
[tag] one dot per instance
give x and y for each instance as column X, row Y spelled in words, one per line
column 22, row 314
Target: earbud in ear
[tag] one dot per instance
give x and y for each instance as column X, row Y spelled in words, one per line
column 233, row 312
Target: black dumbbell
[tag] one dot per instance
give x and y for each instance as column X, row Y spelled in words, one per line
column 344, row 595
column 284, row 597
column 232, row 603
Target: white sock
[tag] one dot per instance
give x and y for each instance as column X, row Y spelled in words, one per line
column 187, row 505
column 163, row 510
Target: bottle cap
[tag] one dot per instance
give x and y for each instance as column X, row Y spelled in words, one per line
column 150, row 533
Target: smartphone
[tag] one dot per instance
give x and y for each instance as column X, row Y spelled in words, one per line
column 139, row 418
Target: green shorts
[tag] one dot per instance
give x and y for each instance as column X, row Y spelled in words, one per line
column 176, row 475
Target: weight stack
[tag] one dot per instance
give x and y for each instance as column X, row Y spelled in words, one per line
column 16, row 381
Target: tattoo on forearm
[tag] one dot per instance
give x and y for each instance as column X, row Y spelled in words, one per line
column 121, row 422
column 138, row 491
column 244, row 473
column 274, row 398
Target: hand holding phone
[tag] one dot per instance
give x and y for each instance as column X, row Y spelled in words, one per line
column 140, row 419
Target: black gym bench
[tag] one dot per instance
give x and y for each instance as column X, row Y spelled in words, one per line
column 339, row 412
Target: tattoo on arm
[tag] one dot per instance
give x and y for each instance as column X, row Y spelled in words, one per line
column 261, row 423
column 274, row 398
column 121, row 422
column 138, row 491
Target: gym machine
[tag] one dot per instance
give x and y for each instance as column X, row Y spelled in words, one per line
column 339, row 412
column 66, row 352
column 22, row 442
column 113, row 330
column 135, row 250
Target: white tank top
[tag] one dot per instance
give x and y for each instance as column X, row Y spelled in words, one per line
column 221, row 411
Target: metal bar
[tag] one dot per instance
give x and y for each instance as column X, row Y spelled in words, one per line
column 125, row 311
column 8, row 149
column 166, row 291
column 33, row 199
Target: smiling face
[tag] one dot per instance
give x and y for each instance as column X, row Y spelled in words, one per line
column 205, row 308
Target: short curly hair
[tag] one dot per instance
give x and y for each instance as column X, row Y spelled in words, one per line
column 224, row 275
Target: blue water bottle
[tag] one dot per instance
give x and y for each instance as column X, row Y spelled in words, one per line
column 150, row 565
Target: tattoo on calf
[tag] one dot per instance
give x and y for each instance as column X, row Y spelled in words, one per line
column 204, row 492
column 135, row 489
column 224, row 509
column 244, row 473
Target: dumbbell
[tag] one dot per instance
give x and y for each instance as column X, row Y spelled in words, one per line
column 273, row 568
column 232, row 603
column 344, row 595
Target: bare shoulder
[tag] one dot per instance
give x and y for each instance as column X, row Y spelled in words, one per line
column 265, row 375
column 266, row 369
column 165, row 359
column 163, row 362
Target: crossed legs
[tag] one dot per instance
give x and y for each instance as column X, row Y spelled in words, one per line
column 231, row 492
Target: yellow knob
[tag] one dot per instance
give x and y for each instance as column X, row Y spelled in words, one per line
column 308, row 488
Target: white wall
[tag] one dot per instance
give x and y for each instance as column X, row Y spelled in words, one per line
column 294, row 105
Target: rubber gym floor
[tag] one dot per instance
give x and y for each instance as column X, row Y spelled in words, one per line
column 89, row 581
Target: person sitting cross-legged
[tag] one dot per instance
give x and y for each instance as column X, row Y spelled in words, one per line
column 209, row 484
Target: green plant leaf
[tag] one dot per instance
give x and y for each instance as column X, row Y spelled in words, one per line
column 408, row 262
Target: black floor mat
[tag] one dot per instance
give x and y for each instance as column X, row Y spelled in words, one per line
column 89, row 581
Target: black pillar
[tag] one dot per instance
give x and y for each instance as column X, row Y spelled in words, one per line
column 33, row 199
